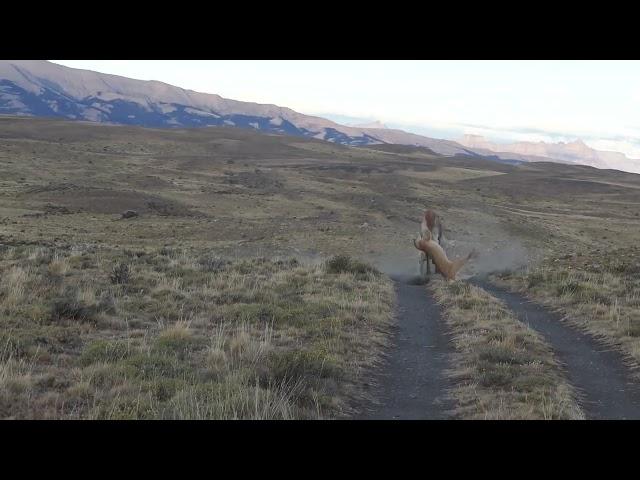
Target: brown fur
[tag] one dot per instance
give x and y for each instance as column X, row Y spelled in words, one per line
column 431, row 222
column 447, row 268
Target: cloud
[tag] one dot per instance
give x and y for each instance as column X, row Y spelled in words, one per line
column 345, row 119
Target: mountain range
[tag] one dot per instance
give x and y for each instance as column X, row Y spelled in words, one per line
column 575, row 152
column 36, row 87
column 42, row 88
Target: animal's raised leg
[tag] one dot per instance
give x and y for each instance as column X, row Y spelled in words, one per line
column 424, row 264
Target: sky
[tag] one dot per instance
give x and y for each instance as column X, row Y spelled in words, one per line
column 561, row 100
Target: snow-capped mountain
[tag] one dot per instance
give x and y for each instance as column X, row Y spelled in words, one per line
column 37, row 87
column 42, row 88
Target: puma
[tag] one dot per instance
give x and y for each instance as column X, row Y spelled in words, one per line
column 447, row 268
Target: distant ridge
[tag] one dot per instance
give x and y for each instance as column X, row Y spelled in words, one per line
column 37, row 87
column 42, row 88
column 575, row 152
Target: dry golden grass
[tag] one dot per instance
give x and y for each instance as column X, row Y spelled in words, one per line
column 58, row 266
column 233, row 191
column 503, row 369
column 599, row 294
column 183, row 334
column 13, row 286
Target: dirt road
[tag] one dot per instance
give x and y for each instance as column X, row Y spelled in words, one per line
column 598, row 373
column 413, row 385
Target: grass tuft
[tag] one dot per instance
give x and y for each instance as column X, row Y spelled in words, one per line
column 503, row 369
column 346, row 264
column 184, row 337
column 120, row 274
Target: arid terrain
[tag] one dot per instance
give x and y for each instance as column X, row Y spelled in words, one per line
column 256, row 277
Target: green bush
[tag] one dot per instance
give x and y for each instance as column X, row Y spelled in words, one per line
column 120, row 274
column 67, row 308
column 346, row 264
column 212, row 264
column 535, row 278
column 302, row 364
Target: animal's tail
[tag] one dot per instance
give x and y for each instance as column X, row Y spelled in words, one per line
column 460, row 262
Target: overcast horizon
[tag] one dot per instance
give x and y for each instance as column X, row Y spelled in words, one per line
column 505, row 101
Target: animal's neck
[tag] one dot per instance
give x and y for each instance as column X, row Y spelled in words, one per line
column 431, row 220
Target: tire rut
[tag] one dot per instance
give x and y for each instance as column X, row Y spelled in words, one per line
column 603, row 382
column 413, row 384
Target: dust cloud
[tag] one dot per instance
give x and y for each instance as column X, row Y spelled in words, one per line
column 512, row 255
column 496, row 251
